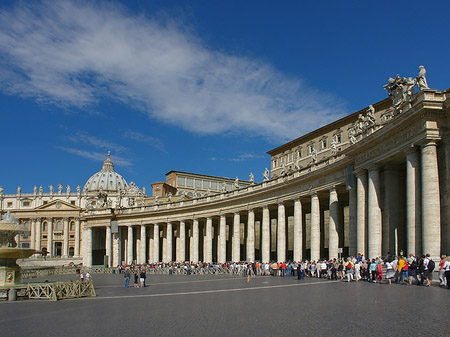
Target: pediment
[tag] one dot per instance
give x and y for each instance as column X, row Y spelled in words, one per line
column 58, row 205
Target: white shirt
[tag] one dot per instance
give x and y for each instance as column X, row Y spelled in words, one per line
column 446, row 266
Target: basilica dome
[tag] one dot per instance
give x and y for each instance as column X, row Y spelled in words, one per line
column 107, row 180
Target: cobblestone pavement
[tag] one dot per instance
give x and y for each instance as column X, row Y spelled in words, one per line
column 229, row 306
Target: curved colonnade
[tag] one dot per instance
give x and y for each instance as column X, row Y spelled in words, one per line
column 379, row 195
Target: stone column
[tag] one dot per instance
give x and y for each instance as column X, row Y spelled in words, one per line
column 361, row 199
column 391, row 219
column 156, row 243
column 143, row 246
column 333, row 233
column 222, row 239
column 66, row 238
column 169, row 241
column 208, row 238
column 38, row 234
column 87, row 245
column 298, row 230
column 236, row 250
column 195, row 241
column 374, row 213
column 33, row 233
column 265, row 235
column 116, row 250
column 352, row 227
column 50, row 237
column 108, row 245
column 77, row 237
column 413, row 216
column 251, row 236
column 431, row 210
column 281, row 233
column 182, row 249
column 130, row 243
column 315, row 227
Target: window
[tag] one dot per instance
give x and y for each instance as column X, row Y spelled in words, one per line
column 198, row 183
column 45, row 202
column 310, row 148
column 323, row 143
column 214, row 185
column 337, row 138
column 44, row 227
column 274, row 163
column 299, row 153
column 206, row 184
column 72, row 226
column 181, row 181
column 290, row 157
column 25, row 245
column 189, row 182
column 9, row 204
column 59, row 226
column 26, row 204
column 71, row 251
column 72, row 202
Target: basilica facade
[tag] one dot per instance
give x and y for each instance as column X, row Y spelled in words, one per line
column 374, row 182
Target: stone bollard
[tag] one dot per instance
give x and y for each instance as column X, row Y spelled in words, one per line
column 12, row 294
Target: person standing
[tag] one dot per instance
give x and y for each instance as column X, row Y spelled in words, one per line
column 127, row 277
column 447, row 271
column 389, row 270
column 142, row 277
column 442, row 271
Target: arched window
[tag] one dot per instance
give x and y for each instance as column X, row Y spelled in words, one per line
column 59, row 226
column 72, row 226
column 71, row 251
column 44, row 227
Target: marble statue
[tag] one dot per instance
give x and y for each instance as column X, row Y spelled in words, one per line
column 35, row 189
column 144, row 190
column 252, row 178
column 236, row 183
column 333, row 147
column 421, row 79
column 266, row 174
column 370, row 117
column 19, row 189
column 41, row 189
column 60, row 188
column 68, row 189
column 78, row 189
column 169, row 197
column 314, row 154
column 51, row 189
column 1, row 189
column 224, row 187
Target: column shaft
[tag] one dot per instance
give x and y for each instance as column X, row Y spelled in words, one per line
column 222, row 239
column 298, row 230
column 66, row 238
column 116, row 258
column 143, row 246
column 108, row 244
column 77, row 237
column 130, row 244
column 333, row 228
column 374, row 214
column 156, row 243
column 33, row 234
column 315, row 227
column 431, row 210
column 352, row 221
column 361, row 197
column 195, row 241
column 38, row 234
column 87, row 245
column 413, row 208
column 236, row 250
column 182, row 248
column 281, row 233
column 208, row 243
column 50, row 237
column 251, row 236
column 265, row 235
column 169, row 236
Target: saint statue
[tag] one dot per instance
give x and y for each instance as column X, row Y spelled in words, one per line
column 35, row 189
column 236, row 183
column 68, row 189
column 78, row 189
column 60, row 188
column 19, row 189
column 252, row 178
column 266, row 174
column 421, row 79
column 41, row 189
column 51, row 189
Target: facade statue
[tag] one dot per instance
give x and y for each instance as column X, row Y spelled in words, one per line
column 35, row 189
column 1, row 190
column 370, row 117
column 68, row 189
column 169, row 197
column 41, row 189
column 236, row 183
column 19, row 189
column 144, row 191
column 421, row 79
column 333, row 147
column 266, row 174
column 224, row 187
column 60, row 188
column 252, row 178
column 51, row 189
column 78, row 189
column 314, row 155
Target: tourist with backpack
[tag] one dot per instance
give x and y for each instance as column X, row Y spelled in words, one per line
column 429, row 265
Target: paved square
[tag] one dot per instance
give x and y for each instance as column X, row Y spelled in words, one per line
column 212, row 305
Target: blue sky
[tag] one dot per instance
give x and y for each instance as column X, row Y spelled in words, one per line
column 198, row 86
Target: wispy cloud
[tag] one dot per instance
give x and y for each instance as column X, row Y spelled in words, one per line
column 240, row 158
column 97, row 156
column 76, row 53
column 84, row 138
column 149, row 140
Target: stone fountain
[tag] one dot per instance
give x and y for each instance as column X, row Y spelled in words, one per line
column 9, row 252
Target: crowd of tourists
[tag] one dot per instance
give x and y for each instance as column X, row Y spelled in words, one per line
column 411, row 270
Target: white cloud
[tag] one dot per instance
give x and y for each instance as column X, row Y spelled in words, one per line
column 75, row 53
column 81, row 137
column 97, row 156
column 149, row 140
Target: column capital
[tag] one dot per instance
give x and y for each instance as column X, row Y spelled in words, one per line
column 314, row 194
column 66, row 219
column 49, row 219
column 427, row 142
column 360, row 172
column 411, row 149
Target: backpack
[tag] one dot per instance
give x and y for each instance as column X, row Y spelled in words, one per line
column 431, row 265
column 349, row 266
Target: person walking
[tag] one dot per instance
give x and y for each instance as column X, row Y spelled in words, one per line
column 447, row 271
column 389, row 270
column 442, row 271
column 127, row 277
